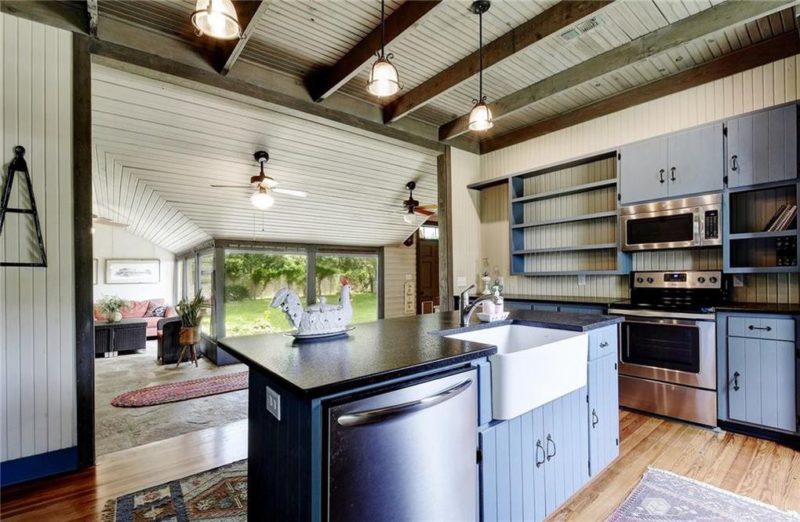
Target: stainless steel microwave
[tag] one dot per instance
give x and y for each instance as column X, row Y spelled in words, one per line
column 678, row 223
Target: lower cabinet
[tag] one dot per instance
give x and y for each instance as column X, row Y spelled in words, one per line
column 531, row 464
column 603, row 412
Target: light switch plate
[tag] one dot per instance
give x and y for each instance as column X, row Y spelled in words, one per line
column 274, row 403
column 738, row 280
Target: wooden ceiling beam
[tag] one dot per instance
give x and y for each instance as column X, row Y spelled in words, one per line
column 249, row 13
column 320, row 86
column 762, row 53
column 92, row 10
column 708, row 21
column 551, row 21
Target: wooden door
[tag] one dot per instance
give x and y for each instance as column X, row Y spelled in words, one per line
column 696, row 161
column 643, row 171
column 427, row 275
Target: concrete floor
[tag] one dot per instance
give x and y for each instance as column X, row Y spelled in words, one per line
column 123, row 428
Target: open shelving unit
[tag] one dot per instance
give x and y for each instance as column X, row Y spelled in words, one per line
column 748, row 247
column 563, row 220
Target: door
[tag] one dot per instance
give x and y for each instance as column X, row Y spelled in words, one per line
column 407, row 454
column 762, row 147
column 761, row 382
column 643, row 171
column 427, row 275
column 695, row 161
column 603, row 412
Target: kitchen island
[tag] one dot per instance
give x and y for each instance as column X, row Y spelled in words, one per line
column 314, row 454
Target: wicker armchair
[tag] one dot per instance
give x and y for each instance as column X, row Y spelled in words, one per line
column 169, row 332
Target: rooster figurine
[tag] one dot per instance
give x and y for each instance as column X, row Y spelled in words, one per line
column 318, row 319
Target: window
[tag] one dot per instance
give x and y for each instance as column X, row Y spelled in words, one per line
column 179, row 266
column 207, row 290
column 429, row 232
column 191, row 277
column 361, row 270
column 251, row 280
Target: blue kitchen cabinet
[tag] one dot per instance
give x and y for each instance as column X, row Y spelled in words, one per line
column 761, row 375
column 531, row 464
column 676, row 165
column 762, row 147
column 603, row 412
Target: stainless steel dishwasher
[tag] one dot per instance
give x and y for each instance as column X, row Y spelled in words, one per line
column 406, row 453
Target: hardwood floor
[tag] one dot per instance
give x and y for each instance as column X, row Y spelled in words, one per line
column 755, row 468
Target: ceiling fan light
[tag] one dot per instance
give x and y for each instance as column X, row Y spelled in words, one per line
column 217, row 19
column 262, row 200
column 410, row 218
column 383, row 78
column 480, row 118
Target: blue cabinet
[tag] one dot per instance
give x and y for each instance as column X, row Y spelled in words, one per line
column 531, row 464
column 603, row 412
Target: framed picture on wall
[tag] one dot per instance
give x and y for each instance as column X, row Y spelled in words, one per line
column 132, row 271
column 94, row 271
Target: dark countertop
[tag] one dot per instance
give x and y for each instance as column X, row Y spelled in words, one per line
column 767, row 308
column 569, row 299
column 382, row 350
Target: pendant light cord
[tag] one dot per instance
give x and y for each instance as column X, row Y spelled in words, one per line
column 383, row 5
column 480, row 56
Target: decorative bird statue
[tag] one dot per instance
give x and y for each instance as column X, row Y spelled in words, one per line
column 317, row 319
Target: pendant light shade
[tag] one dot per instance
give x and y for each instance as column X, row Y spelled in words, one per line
column 480, row 119
column 383, row 78
column 261, row 199
column 217, row 19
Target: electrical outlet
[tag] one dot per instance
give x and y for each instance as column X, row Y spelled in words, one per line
column 738, row 281
column 581, row 279
column 273, row 403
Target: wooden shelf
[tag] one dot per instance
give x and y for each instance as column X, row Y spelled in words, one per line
column 765, row 186
column 599, row 246
column 570, row 219
column 761, row 269
column 575, row 273
column 480, row 185
column 762, row 235
column 575, row 189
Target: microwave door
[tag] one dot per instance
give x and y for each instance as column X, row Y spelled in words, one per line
column 668, row 229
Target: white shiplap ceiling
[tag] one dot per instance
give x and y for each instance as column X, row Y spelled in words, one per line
column 159, row 146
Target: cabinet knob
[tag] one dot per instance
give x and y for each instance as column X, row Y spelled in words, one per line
column 736, row 376
column 734, row 163
column 603, row 344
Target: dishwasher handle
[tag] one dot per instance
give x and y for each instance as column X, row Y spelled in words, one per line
column 380, row 414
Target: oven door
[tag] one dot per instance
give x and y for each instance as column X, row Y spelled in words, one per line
column 679, row 228
column 672, row 350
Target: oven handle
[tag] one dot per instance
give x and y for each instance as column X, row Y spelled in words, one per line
column 672, row 322
column 655, row 314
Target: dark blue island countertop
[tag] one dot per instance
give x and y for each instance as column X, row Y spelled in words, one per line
column 382, row 350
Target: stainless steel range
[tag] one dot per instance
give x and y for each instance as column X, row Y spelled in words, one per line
column 667, row 354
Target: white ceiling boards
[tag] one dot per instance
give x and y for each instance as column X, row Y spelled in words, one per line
column 158, row 147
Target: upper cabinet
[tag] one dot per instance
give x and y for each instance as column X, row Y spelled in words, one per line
column 762, row 147
column 676, row 165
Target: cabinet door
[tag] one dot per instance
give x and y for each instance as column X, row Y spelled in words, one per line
column 761, row 382
column 762, row 147
column 695, row 161
column 643, row 171
column 603, row 414
column 741, row 151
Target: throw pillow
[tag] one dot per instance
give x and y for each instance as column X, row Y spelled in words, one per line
column 158, row 311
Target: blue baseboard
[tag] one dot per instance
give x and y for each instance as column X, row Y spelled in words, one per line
column 38, row 466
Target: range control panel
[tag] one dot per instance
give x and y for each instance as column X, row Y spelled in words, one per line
column 711, row 279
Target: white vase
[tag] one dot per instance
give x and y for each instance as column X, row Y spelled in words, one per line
column 114, row 317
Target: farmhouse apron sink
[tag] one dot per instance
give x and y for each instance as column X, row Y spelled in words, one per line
column 532, row 367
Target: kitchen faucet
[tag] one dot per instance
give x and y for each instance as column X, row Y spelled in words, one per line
column 466, row 308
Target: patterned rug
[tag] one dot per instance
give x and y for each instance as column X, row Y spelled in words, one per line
column 662, row 496
column 181, row 391
column 219, row 494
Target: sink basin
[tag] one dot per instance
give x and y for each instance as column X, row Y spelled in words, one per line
column 532, row 366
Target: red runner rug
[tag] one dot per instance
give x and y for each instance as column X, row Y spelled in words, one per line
column 181, row 391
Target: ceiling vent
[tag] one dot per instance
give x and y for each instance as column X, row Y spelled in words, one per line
column 579, row 29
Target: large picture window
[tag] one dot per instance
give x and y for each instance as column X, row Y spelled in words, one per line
column 361, row 271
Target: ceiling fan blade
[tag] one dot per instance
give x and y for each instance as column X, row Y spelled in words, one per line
column 288, row 192
column 428, row 207
column 424, row 212
column 232, row 186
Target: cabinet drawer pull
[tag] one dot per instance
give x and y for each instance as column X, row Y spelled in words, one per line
column 672, row 173
column 595, row 420
column 550, row 441
column 734, row 163
column 603, row 344
column 539, row 447
column 736, row 376
column 661, row 175
column 765, row 328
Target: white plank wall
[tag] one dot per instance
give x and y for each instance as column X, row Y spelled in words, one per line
column 466, row 226
column 37, row 322
column 399, row 261
column 764, row 86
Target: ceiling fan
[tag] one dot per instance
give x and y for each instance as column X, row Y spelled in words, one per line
column 412, row 208
column 262, row 198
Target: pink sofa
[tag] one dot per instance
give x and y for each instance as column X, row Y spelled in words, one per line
column 139, row 310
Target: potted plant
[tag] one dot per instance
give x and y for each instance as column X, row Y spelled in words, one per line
column 110, row 306
column 190, row 312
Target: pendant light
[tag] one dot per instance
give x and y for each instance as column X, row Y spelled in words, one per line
column 383, row 78
column 261, row 199
column 480, row 118
column 217, row 19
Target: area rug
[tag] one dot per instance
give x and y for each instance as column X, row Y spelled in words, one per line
column 181, row 391
column 662, row 496
column 219, row 494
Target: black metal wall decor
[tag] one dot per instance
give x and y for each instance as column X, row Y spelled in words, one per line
column 19, row 165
